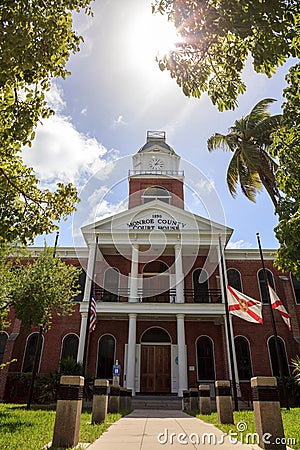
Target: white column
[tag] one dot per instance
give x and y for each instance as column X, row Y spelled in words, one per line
column 182, row 362
column 82, row 337
column 179, row 274
column 230, row 323
column 133, row 282
column 86, row 297
column 130, row 380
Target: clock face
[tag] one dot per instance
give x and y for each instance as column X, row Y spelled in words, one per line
column 156, row 164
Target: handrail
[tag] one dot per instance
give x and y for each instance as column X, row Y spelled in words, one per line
column 156, row 296
column 176, row 173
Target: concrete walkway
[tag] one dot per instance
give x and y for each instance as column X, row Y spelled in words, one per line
column 140, row 431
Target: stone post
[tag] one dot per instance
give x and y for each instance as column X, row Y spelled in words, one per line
column 100, row 401
column 194, row 399
column 267, row 414
column 186, row 404
column 114, row 399
column 68, row 410
column 224, row 401
column 123, row 398
column 204, row 399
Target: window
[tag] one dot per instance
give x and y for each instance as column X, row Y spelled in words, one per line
column 262, row 284
column 106, row 356
column 156, row 193
column 3, row 340
column 234, row 279
column 205, row 358
column 155, row 335
column 30, row 352
column 81, row 282
column 69, row 347
column 242, row 350
column 111, row 285
column 282, row 355
column 296, row 286
column 200, row 282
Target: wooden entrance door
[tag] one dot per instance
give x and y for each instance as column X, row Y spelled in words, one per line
column 156, row 368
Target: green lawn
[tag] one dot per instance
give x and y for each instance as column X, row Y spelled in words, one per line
column 291, row 424
column 31, row 430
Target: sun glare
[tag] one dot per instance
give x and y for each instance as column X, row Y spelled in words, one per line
column 152, row 36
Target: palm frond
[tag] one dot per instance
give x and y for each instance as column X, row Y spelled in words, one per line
column 267, row 126
column 259, row 113
column 224, row 142
column 232, row 176
column 249, row 181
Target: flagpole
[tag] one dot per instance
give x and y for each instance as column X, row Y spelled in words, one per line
column 87, row 330
column 228, row 327
column 279, row 360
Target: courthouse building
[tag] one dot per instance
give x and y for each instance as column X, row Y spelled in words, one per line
column 159, row 294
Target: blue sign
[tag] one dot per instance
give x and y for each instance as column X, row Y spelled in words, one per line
column 116, row 370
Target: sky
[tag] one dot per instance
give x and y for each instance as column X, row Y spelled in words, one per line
column 115, row 94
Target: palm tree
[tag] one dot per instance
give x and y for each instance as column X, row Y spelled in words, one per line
column 249, row 139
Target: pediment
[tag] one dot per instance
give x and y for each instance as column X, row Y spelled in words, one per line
column 156, row 215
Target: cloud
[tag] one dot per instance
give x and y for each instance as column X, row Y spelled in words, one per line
column 54, row 98
column 60, row 153
column 239, row 244
column 119, row 121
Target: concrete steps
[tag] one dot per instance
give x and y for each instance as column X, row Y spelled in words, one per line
column 169, row 403
column 156, row 402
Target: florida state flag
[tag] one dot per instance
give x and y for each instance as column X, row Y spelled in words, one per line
column 243, row 306
column 277, row 304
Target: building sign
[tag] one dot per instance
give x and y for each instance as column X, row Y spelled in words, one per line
column 156, row 222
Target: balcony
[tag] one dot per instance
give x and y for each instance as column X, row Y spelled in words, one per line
column 152, row 296
column 170, row 173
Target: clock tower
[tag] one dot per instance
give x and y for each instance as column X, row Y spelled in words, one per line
column 156, row 174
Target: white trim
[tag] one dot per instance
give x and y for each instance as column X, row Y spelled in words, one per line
column 249, row 346
column 241, row 280
column 104, row 275
column 150, row 343
column 62, row 342
column 115, row 348
column 25, row 348
column 268, row 347
column 214, row 360
column 207, row 279
column 274, row 285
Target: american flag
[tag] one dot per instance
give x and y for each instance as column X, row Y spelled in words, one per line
column 93, row 315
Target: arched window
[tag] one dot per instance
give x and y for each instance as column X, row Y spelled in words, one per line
column 30, row 352
column 111, row 285
column 243, row 359
column 3, row 340
column 156, row 193
column 296, row 286
column 234, row 279
column 155, row 335
column 205, row 358
column 200, row 282
column 69, row 346
column 262, row 284
column 106, row 356
column 282, row 355
column 81, row 283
